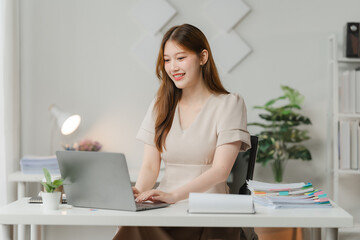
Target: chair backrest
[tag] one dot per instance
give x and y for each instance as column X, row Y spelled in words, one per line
column 243, row 168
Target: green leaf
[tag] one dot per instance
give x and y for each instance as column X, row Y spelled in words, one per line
column 294, row 118
column 299, row 152
column 57, row 183
column 295, row 135
column 263, row 125
column 286, row 112
column 293, row 95
column 47, row 176
column 272, row 101
column 259, row 107
column 290, row 106
column 47, row 187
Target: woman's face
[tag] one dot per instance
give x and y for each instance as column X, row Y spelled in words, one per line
column 182, row 66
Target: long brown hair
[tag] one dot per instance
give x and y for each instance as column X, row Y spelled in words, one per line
column 168, row 95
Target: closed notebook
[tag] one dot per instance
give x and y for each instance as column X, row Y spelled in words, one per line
column 220, row 203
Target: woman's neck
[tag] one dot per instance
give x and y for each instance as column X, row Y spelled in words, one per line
column 196, row 95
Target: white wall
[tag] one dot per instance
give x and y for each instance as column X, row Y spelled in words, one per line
column 77, row 54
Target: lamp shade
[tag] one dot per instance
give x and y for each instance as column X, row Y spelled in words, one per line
column 67, row 122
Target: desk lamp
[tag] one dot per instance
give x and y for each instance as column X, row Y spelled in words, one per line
column 67, row 122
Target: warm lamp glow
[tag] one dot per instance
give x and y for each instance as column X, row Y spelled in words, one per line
column 67, row 122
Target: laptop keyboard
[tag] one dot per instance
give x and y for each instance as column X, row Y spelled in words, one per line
column 145, row 206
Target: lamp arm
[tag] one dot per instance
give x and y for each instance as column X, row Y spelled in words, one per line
column 52, row 130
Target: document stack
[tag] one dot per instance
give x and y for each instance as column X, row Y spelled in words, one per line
column 35, row 165
column 293, row 195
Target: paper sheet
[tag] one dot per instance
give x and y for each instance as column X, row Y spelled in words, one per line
column 220, row 203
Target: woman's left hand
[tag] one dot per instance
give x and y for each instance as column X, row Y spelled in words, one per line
column 156, row 196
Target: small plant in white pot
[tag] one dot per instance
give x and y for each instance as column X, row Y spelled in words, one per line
column 50, row 197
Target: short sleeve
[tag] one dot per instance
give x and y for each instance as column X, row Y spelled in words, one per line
column 146, row 133
column 232, row 122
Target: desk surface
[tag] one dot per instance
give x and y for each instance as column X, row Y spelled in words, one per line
column 20, row 212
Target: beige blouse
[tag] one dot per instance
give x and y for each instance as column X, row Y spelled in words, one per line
column 190, row 152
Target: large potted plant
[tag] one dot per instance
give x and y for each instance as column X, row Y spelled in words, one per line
column 280, row 137
column 51, row 197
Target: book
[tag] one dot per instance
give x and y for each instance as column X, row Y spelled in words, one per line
column 357, row 90
column 352, row 93
column 220, row 203
column 354, row 145
column 344, row 136
column 358, row 144
column 344, row 97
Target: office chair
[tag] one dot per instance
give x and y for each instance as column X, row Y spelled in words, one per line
column 243, row 168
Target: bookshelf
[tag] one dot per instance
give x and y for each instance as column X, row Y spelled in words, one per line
column 336, row 66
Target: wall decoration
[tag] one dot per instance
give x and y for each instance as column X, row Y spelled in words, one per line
column 225, row 14
column 228, row 48
column 153, row 15
column 147, row 49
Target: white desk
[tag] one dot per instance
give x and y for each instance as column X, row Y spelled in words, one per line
column 20, row 212
column 21, row 179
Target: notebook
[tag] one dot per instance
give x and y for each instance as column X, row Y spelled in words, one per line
column 99, row 180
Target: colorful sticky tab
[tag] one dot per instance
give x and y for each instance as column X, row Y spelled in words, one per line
column 283, row 193
column 308, row 185
column 279, row 189
column 318, row 193
column 322, row 196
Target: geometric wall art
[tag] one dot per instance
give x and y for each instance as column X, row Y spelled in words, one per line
column 147, row 49
column 225, row 14
column 228, row 48
column 153, row 15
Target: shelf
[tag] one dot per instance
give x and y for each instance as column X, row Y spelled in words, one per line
column 348, row 171
column 349, row 60
column 349, row 116
column 354, row 229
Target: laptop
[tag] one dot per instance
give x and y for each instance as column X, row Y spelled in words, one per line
column 99, row 180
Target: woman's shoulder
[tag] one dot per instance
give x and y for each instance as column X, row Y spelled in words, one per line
column 229, row 99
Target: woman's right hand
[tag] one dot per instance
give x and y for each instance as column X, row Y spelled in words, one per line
column 136, row 192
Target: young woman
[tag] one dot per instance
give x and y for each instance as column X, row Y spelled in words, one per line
column 196, row 127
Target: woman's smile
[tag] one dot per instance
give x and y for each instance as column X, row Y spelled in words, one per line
column 178, row 76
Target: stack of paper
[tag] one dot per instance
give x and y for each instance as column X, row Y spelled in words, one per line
column 293, row 195
column 35, row 164
column 220, row 203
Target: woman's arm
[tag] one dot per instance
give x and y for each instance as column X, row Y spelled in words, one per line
column 150, row 168
column 224, row 158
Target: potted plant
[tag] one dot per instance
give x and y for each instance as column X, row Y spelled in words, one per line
column 279, row 140
column 51, row 198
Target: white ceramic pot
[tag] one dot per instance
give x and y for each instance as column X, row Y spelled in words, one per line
column 51, row 201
